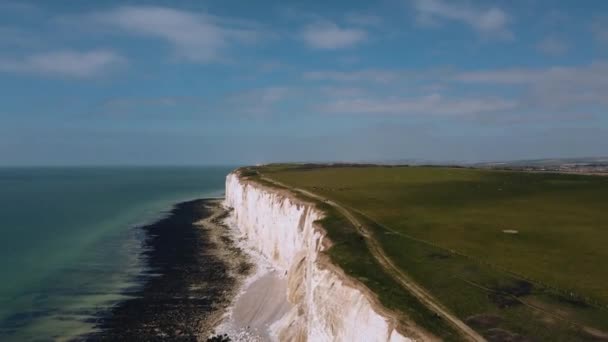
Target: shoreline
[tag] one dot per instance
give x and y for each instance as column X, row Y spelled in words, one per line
column 193, row 272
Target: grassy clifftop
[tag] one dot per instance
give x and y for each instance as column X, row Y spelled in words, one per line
column 513, row 254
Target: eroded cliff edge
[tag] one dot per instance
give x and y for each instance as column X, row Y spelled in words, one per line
column 327, row 305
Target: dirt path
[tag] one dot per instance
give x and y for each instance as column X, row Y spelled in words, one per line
column 388, row 265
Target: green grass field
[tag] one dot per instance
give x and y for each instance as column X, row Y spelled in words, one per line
column 513, row 254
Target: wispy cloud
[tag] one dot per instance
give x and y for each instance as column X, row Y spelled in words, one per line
column 260, row 101
column 343, row 92
column 376, row 76
column 552, row 46
column 20, row 7
column 434, row 104
column 163, row 101
column 491, row 21
column 548, row 93
column 197, row 37
column 557, row 88
column 599, row 27
column 13, row 37
column 361, row 19
column 66, row 63
column 593, row 73
column 329, row 36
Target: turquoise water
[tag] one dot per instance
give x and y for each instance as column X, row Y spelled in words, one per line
column 68, row 243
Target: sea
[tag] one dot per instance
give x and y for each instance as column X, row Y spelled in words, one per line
column 70, row 243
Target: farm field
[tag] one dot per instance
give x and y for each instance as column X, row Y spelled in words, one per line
column 515, row 255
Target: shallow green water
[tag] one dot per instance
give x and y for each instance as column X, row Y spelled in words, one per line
column 68, row 243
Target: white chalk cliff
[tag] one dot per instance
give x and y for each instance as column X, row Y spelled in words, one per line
column 327, row 305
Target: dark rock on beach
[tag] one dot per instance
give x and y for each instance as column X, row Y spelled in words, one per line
column 191, row 279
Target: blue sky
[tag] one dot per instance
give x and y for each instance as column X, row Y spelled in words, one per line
column 238, row 82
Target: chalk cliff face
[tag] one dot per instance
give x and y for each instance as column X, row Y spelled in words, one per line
column 327, row 305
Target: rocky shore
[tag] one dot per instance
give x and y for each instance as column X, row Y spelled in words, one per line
column 194, row 269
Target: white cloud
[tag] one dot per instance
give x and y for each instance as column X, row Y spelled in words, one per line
column 487, row 21
column 552, row 46
column 66, row 63
column 327, row 35
column 434, row 104
column 196, row 37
